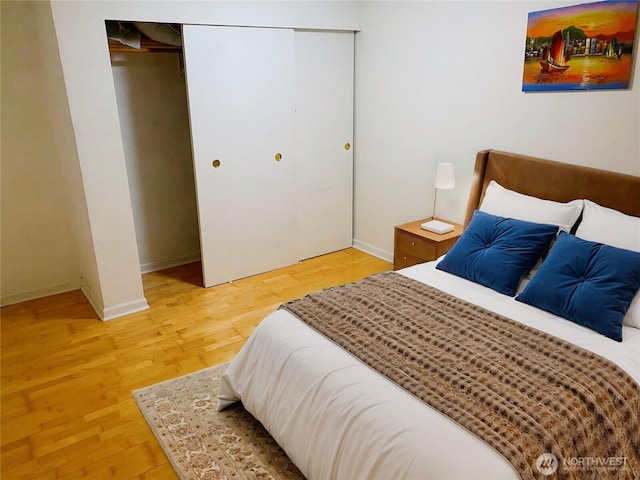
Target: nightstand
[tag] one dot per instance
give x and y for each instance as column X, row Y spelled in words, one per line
column 412, row 245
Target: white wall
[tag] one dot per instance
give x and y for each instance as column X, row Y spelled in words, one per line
column 154, row 121
column 439, row 81
column 46, row 243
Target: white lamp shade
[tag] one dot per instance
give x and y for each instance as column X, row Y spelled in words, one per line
column 444, row 176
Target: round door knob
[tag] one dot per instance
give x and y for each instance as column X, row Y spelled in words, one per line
column 215, row 163
column 347, row 146
column 278, row 157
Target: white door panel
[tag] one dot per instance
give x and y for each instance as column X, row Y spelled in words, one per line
column 324, row 124
column 240, row 85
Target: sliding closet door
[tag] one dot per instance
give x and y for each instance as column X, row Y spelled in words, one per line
column 240, row 84
column 324, row 132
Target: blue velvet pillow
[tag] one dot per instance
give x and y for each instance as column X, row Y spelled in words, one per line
column 586, row 282
column 497, row 252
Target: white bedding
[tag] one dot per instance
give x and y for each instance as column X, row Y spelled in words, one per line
column 337, row 418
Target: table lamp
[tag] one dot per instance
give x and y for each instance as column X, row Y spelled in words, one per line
column 444, row 180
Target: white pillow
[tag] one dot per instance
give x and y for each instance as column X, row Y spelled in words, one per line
column 507, row 203
column 605, row 225
column 632, row 317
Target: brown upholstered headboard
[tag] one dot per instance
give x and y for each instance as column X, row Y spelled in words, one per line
column 552, row 180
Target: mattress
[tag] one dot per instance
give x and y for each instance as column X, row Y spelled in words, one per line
column 337, row 418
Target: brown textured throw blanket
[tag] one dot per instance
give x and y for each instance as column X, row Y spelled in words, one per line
column 552, row 409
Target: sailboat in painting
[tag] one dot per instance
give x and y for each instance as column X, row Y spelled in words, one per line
column 556, row 55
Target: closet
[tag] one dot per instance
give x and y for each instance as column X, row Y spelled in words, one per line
column 271, row 122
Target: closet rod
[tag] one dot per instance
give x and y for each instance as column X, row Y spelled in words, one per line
column 146, row 46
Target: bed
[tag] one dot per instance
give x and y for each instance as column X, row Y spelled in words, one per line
column 337, row 417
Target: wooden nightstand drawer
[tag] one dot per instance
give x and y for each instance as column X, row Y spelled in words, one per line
column 413, row 246
column 403, row 260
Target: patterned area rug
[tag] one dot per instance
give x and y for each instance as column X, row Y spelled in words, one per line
column 203, row 444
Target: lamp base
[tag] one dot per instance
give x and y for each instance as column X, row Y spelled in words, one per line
column 436, row 226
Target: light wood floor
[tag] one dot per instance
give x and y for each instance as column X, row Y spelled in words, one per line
column 67, row 410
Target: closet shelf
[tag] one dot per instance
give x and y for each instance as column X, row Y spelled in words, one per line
column 146, row 46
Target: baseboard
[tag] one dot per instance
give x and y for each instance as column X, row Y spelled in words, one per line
column 115, row 311
column 104, row 313
column 372, row 250
column 123, row 309
column 172, row 262
column 91, row 298
column 6, row 300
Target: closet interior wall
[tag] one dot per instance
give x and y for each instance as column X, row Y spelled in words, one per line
column 154, row 120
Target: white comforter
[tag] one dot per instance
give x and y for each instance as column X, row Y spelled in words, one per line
column 337, row 418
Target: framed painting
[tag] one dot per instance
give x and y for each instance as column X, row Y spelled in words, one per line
column 582, row 47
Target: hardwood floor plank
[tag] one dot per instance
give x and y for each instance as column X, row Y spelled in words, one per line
column 67, row 377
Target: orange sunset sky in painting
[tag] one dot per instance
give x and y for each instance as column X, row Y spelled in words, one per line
column 605, row 18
